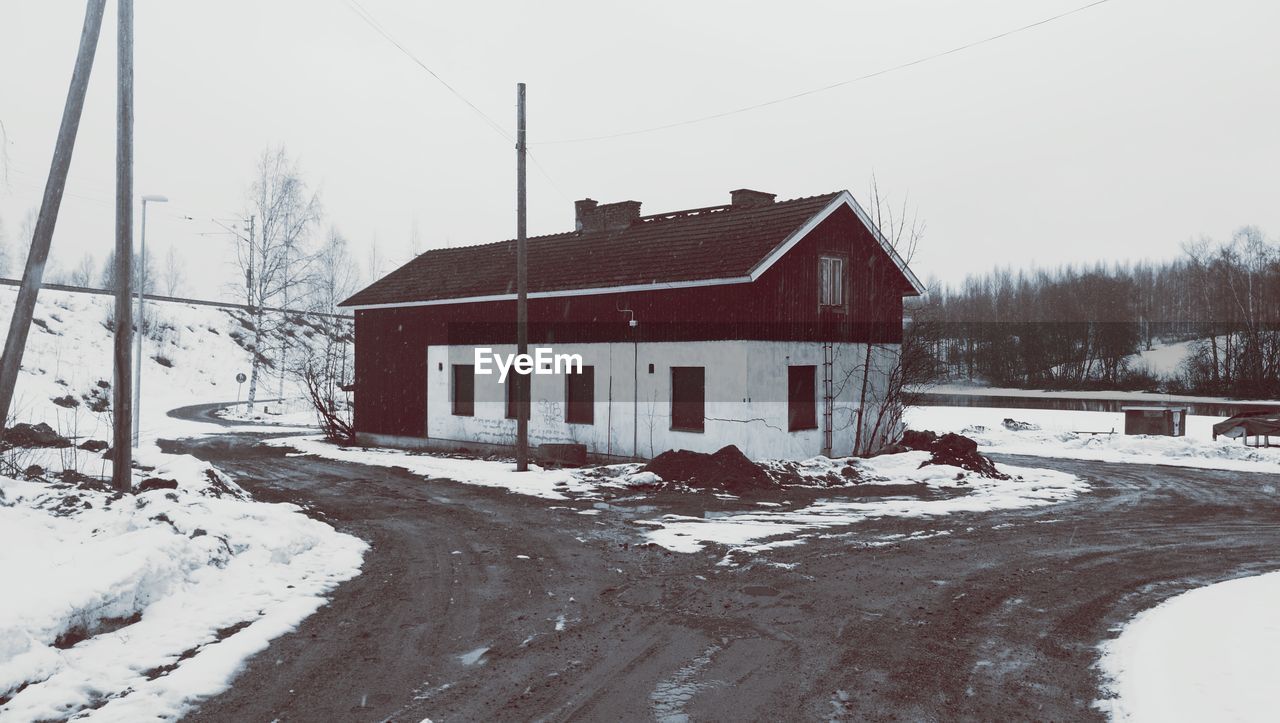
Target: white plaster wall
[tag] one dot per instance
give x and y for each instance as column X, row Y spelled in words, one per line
column 746, row 398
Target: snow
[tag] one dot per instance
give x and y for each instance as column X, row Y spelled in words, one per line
column 950, row 490
column 187, row 562
column 554, row 484
column 1163, row 359
column 1151, row 397
column 132, row 607
column 1207, row 654
column 1070, row 434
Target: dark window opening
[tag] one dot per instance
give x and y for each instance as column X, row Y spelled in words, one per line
column 580, row 396
column 514, row 382
column 688, row 398
column 464, row 390
column 802, row 408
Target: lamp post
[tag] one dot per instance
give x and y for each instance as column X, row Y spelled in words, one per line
column 137, row 333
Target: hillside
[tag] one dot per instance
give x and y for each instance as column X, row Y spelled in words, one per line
column 191, row 355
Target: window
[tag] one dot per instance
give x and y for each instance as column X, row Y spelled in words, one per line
column 688, row 395
column 580, row 396
column 802, row 410
column 830, row 281
column 513, row 383
column 464, row 390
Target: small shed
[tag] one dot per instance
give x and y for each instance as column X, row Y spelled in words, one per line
column 1159, row 420
column 1261, row 425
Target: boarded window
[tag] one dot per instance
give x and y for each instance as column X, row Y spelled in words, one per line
column 514, row 381
column 802, row 412
column 830, row 281
column 688, row 398
column 464, row 390
column 580, row 396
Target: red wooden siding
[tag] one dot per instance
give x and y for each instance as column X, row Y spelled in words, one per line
column 391, row 344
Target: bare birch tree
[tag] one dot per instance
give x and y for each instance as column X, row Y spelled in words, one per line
column 172, row 276
column 273, row 260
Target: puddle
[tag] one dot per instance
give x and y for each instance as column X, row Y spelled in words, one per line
column 670, row 696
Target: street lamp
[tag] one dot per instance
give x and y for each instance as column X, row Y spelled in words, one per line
column 137, row 334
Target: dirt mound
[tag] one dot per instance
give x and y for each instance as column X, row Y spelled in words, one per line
column 32, row 436
column 952, row 449
column 729, row 470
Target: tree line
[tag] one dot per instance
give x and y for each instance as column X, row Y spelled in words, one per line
column 1080, row 327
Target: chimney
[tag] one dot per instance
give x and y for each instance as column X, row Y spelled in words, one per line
column 591, row 216
column 746, row 198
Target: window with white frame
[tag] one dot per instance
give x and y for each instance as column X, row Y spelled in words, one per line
column 830, row 281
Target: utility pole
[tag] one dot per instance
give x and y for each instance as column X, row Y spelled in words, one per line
column 20, row 324
column 121, row 448
column 522, row 291
column 249, row 297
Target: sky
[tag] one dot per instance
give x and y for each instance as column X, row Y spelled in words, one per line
column 1113, row 134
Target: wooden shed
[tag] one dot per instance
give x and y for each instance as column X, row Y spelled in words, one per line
column 1158, row 420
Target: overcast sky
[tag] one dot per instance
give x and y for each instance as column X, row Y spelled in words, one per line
column 1116, row 133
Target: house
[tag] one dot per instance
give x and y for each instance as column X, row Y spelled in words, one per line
column 750, row 323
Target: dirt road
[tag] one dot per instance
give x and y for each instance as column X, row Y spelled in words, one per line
column 481, row 605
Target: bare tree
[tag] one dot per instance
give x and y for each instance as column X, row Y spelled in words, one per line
column 323, row 371
column 172, row 276
column 85, row 271
column 888, row 361
column 108, row 277
column 4, row 250
column 273, row 260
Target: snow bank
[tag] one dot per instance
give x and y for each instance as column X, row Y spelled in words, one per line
column 944, row 490
column 1208, row 654
column 1097, row 436
column 199, row 575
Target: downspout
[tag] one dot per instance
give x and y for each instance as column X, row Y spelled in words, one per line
column 635, row 381
column 828, row 397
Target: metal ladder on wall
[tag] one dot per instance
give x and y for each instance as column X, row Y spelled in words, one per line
column 828, row 396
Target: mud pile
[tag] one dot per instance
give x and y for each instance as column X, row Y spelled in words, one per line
column 729, row 470
column 952, row 449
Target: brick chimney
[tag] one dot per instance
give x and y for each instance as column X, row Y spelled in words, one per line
column 746, row 198
column 591, row 216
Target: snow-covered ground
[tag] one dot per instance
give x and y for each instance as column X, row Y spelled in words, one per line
column 129, row 607
column 1095, row 436
column 554, row 484
column 1163, row 359
column 946, row 490
column 1205, row 655
column 972, row 390
column 934, row 491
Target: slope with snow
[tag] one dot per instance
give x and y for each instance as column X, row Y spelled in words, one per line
column 131, row 607
column 1205, row 655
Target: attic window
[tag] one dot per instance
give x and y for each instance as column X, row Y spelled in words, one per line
column 830, row 281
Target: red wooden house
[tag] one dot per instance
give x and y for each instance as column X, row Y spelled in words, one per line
column 749, row 323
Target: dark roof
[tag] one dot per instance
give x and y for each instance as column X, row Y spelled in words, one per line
column 700, row 244
column 1253, row 424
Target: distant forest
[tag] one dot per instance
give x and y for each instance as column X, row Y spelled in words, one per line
column 1078, row 328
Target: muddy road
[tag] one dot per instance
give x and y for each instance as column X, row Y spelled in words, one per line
column 480, row 605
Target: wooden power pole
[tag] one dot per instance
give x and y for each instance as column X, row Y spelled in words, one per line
column 32, row 276
column 522, row 291
column 122, row 402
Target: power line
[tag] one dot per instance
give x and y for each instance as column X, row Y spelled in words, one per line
column 832, row 86
column 372, row 22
